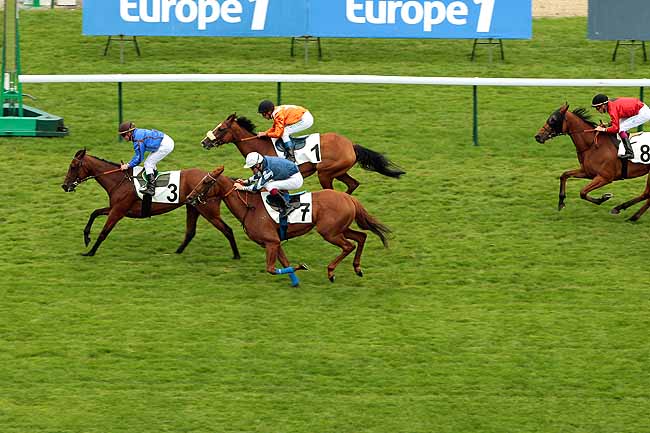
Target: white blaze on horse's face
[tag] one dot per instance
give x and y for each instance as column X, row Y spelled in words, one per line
column 210, row 135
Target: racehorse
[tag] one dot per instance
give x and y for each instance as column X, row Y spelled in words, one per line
column 337, row 153
column 123, row 200
column 597, row 154
column 332, row 214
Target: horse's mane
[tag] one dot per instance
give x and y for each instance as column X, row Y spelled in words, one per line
column 582, row 113
column 246, row 123
column 79, row 152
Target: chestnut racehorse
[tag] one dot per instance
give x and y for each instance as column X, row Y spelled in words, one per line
column 123, row 201
column 337, row 153
column 332, row 214
column 597, row 154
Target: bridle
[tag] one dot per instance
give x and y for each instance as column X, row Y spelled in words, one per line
column 554, row 133
column 79, row 181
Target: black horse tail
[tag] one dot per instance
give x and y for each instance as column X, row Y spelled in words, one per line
column 375, row 161
column 368, row 222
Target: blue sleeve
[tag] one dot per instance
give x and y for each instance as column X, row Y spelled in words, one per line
column 138, row 156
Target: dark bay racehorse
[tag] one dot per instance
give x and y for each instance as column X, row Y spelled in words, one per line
column 597, row 154
column 338, row 153
column 123, row 201
column 332, row 214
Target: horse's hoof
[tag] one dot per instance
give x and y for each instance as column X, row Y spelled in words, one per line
column 236, row 257
column 607, row 196
column 560, row 207
column 88, row 254
column 632, row 219
column 303, row 267
column 360, row 273
column 332, row 278
column 614, row 211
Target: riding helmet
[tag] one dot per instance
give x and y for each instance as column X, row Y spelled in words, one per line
column 265, row 106
column 599, row 99
column 253, row 159
column 126, row 127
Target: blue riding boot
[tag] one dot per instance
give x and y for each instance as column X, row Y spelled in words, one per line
column 289, row 151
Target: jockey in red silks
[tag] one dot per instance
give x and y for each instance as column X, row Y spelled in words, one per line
column 625, row 114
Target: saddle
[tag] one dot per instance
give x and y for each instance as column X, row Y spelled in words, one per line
column 299, row 143
column 277, row 203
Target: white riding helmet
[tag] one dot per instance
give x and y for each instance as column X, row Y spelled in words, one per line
column 252, row 159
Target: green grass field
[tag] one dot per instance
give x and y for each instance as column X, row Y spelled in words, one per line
column 490, row 312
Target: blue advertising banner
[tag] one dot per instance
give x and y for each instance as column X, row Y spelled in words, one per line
column 447, row 19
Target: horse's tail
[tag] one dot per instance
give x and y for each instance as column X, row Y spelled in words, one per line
column 368, row 222
column 375, row 161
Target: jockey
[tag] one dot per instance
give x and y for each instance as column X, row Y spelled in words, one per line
column 146, row 140
column 625, row 114
column 276, row 175
column 287, row 120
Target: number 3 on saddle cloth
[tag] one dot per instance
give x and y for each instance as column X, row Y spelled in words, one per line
column 167, row 183
column 299, row 210
column 306, row 148
column 640, row 145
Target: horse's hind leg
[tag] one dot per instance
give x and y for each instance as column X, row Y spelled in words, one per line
column 340, row 241
column 596, row 183
column 113, row 217
column 640, row 212
column 635, row 200
column 91, row 220
column 211, row 213
column 351, row 182
column 190, row 227
column 360, row 238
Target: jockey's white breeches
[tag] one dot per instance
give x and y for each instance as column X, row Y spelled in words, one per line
column 636, row 120
column 305, row 122
column 166, row 146
column 293, row 182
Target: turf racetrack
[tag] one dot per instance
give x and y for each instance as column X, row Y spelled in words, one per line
column 490, row 312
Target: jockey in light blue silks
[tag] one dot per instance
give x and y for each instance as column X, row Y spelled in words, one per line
column 277, row 175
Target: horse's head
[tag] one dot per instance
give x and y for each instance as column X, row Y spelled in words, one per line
column 76, row 172
column 201, row 189
column 223, row 133
column 555, row 125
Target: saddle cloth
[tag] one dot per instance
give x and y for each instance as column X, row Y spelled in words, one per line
column 307, row 148
column 640, row 145
column 167, row 185
column 301, row 213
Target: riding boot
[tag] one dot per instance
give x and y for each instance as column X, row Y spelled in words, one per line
column 289, row 151
column 150, row 187
column 284, row 196
column 629, row 154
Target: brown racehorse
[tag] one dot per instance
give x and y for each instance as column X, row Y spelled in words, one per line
column 332, row 214
column 597, row 154
column 123, row 200
column 338, row 153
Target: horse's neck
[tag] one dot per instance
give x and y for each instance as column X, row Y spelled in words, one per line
column 237, row 201
column 262, row 145
column 582, row 140
column 97, row 166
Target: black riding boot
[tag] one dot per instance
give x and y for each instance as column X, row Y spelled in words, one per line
column 629, row 154
column 285, row 204
column 150, row 187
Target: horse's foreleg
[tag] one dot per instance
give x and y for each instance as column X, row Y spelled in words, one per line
column 360, row 238
column 577, row 173
column 340, row 241
column 91, row 220
column 596, row 183
column 211, row 212
column 113, row 217
column 285, row 261
column 351, row 182
column 191, row 215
